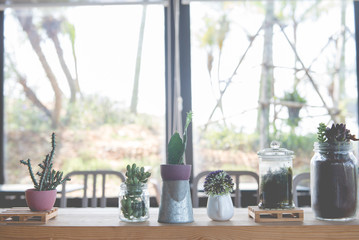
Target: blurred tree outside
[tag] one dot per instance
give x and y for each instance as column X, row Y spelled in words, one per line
column 285, row 20
column 93, row 130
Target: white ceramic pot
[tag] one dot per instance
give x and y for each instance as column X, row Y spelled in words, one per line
column 220, row 208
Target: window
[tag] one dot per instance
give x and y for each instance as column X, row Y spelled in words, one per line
column 92, row 78
column 269, row 70
column 251, row 71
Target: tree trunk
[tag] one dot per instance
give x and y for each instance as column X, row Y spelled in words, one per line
column 52, row 27
column 29, row 93
column 134, row 99
column 266, row 82
column 34, row 37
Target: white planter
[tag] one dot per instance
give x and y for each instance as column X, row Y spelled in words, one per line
column 220, row 208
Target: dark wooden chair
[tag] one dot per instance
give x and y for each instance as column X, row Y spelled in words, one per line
column 296, row 180
column 94, row 174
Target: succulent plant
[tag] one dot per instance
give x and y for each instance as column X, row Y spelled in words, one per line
column 337, row 133
column 218, row 183
column 132, row 204
column 49, row 178
column 177, row 146
column 136, row 175
column 276, row 188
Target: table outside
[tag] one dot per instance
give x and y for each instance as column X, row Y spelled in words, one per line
column 17, row 191
column 104, row 223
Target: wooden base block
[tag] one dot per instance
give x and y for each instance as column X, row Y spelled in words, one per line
column 275, row 215
column 25, row 215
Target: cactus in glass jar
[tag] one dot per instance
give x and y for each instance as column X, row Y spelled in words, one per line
column 133, row 201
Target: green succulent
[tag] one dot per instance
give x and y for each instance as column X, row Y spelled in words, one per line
column 136, row 175
column 337, row 133
column 132, row 205
column 177, row 146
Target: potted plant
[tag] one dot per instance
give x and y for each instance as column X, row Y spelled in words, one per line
column 218, row 186
column 176, row 169
column 293, row 111
column 134, row 201
column 334, row 169
column 276, row 174
column 43, row 196
column 175, row 175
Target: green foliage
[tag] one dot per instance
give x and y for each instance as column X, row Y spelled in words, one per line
column 293, row 112
column 229, row 138
column 132, row 205
column 136, row 175
column 303, row 145
column 177, row 146
column 49, row 178
column 218, row 183
column 336, row 134
column 21, row 114
column 294, row 97
column 93, row 111
column 277, row 188
column 175, row 149
column 321, row 133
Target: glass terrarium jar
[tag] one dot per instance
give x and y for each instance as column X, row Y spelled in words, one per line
column 276, row 176
column 334, row 181
column 134, row 203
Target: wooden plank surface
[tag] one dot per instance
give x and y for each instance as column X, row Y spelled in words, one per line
column 104, row 223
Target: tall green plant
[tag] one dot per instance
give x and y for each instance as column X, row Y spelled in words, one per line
column 49, row 178
column 177, row 146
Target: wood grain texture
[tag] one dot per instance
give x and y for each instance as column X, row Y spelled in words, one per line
column 104, row 223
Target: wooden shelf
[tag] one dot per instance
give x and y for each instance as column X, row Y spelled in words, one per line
column 104, row 223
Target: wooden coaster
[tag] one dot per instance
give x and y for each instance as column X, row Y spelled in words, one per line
column 24, row 215
column 275, row 215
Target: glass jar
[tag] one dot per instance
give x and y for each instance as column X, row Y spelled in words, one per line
column 134, row 203
column 276, row 177
column 334, row 183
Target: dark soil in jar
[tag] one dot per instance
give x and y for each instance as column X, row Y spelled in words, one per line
column 276, row 189
column 335, row 189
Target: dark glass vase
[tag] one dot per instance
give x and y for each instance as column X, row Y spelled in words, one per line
column 275, row 182
column 334, row 183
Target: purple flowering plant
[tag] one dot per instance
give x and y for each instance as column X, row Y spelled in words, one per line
column 218, row 183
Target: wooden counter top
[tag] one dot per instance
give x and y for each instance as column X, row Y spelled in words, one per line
column 104, row 223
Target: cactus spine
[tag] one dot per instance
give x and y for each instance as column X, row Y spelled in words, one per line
column 49, row 178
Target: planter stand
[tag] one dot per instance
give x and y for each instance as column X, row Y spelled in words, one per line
column 24, row 215
column 275, row 215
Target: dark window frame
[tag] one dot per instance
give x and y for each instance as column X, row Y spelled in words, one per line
column 185, row 72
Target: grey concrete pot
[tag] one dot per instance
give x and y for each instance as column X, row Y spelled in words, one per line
column 176, row 204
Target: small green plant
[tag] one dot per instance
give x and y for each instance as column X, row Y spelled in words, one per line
column 177, row 146
column 276, row 188
column 336, row 134
column 218, row 183
column 136, row 175
column 49, row 178
column 133, row 205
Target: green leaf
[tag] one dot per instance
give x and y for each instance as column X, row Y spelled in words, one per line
column 175, row 149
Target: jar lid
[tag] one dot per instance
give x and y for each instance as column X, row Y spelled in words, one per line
column 275, row 150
